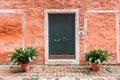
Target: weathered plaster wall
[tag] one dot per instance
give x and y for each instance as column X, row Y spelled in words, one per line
column 101, row 32
column 10, row 34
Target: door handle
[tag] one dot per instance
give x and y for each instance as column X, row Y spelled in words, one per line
column 56, row 40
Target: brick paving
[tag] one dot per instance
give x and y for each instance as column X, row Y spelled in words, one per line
column 59, row 72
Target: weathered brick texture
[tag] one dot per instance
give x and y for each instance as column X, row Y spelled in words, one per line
column 101, row 27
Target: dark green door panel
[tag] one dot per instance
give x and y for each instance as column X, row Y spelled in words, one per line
column 61, row 34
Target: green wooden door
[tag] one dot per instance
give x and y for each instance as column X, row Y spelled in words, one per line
column 61, row 36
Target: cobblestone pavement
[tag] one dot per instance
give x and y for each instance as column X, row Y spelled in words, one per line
column 59, row 72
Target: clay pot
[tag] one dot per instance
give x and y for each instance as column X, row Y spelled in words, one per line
column 95, row 67
column 25, row 67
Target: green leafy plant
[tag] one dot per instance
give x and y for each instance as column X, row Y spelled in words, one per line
column 23, row 56
column 96, row 56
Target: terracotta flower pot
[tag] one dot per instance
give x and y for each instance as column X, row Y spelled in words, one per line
column 95, row 67
column 25, row 67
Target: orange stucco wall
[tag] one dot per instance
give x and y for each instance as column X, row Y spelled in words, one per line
column 100, row 33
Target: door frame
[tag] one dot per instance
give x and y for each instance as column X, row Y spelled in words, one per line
column 77, row 53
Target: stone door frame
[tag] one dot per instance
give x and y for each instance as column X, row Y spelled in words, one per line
column 77, row 53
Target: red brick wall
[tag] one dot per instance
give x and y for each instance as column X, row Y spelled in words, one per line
column 101, row 31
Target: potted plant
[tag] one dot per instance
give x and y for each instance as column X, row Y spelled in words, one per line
column 96, row 57
column 23, row 57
